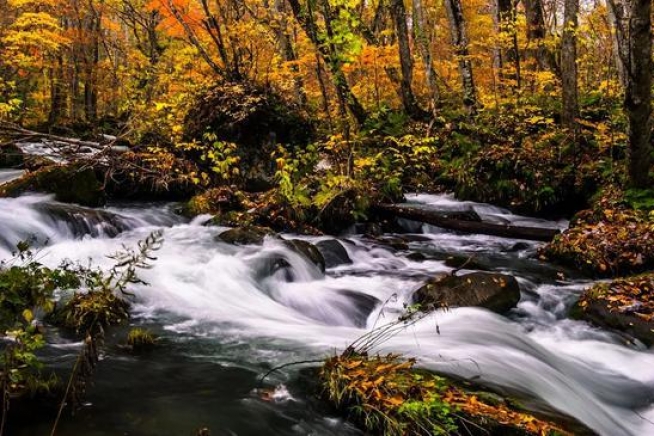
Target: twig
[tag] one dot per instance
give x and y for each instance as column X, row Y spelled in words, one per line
column 68, row 388
column 286, row 365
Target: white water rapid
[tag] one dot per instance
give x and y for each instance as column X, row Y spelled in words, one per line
column 200, row 289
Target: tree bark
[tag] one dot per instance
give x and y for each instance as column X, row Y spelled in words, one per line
column 460, row 42
column 507, row 55
column 304, row 17
column 286, row 48
column 569, row 63
column 536, row 34
column 420, row 28
column 399, row 16
column 616, row 15
column 638, row 95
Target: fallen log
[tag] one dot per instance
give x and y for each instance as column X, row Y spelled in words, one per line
column 451, row 222
column 22, row 134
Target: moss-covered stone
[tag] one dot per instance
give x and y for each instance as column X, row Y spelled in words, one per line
column 387, row 395
column 497, row 292
column 307, row 250
column 216, row 201
column 626, row 305
column 606, row 242
column 70, row 184
column 11, row 156
column 250, row 235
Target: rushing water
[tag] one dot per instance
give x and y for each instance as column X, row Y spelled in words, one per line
column 224, row 320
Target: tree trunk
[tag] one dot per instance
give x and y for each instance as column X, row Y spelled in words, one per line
column 569, row 63
column 422, row 38
column 616, row 15
column 446, row 221
column 286, row 48
column 57, row 93
column 638, row 96
column 536, row 34
column 399, row 16
column 460, row 42
column 329, row 54
column 506, row 54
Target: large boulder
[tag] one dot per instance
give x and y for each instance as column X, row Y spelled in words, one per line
column 84, row 221
column 307, row 250
column 249, row 235
column 625, row 305
column 334, row 253
column 69, row 183
column 496, row 292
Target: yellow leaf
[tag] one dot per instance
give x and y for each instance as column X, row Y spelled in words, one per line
column 28, row 315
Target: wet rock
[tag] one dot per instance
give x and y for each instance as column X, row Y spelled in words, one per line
column 391, row 242
column 464, row 262
column 308, row 250
column 250, row 235
column 83, row 221
column 625, row 305
column 416, row 257
column 334, row 253
column 363, row 305
column 496, row 292
column 69, row 183
column 11, row 156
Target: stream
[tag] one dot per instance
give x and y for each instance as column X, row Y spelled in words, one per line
column 224, row 322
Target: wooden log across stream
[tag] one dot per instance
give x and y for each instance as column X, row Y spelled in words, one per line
column 453, row 221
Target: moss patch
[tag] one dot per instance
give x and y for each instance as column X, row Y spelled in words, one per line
column 387, row 395
column 70, row 184
column 624, row 304
column 606, row 243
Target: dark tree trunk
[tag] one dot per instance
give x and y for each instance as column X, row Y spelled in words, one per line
column 569, row 63
column 286, row 48
column 440, row 219
column 616, row 15
column 57, row 93
column 507, row 56
column 460, row 42
column 422, row 38
column 536, row 34
column 638, row 95
column 399, row 16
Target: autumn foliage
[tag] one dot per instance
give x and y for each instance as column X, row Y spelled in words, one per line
column 388, row 395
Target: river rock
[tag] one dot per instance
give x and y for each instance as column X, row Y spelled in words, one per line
column 496, row 292
column 250, row 235
column 334, row 253
column 11, row 156
column 84, row 221
column 307, row 250
column 597, row 312
column 69, row 183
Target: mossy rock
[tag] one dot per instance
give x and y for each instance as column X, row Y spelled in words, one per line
column 625, row 305
column 334, row 253
column 308, row 250
column 497, row 292
column 214, row 201
column 11, row 156
column 250, row 235
column 388, row 395
column 70, row 184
